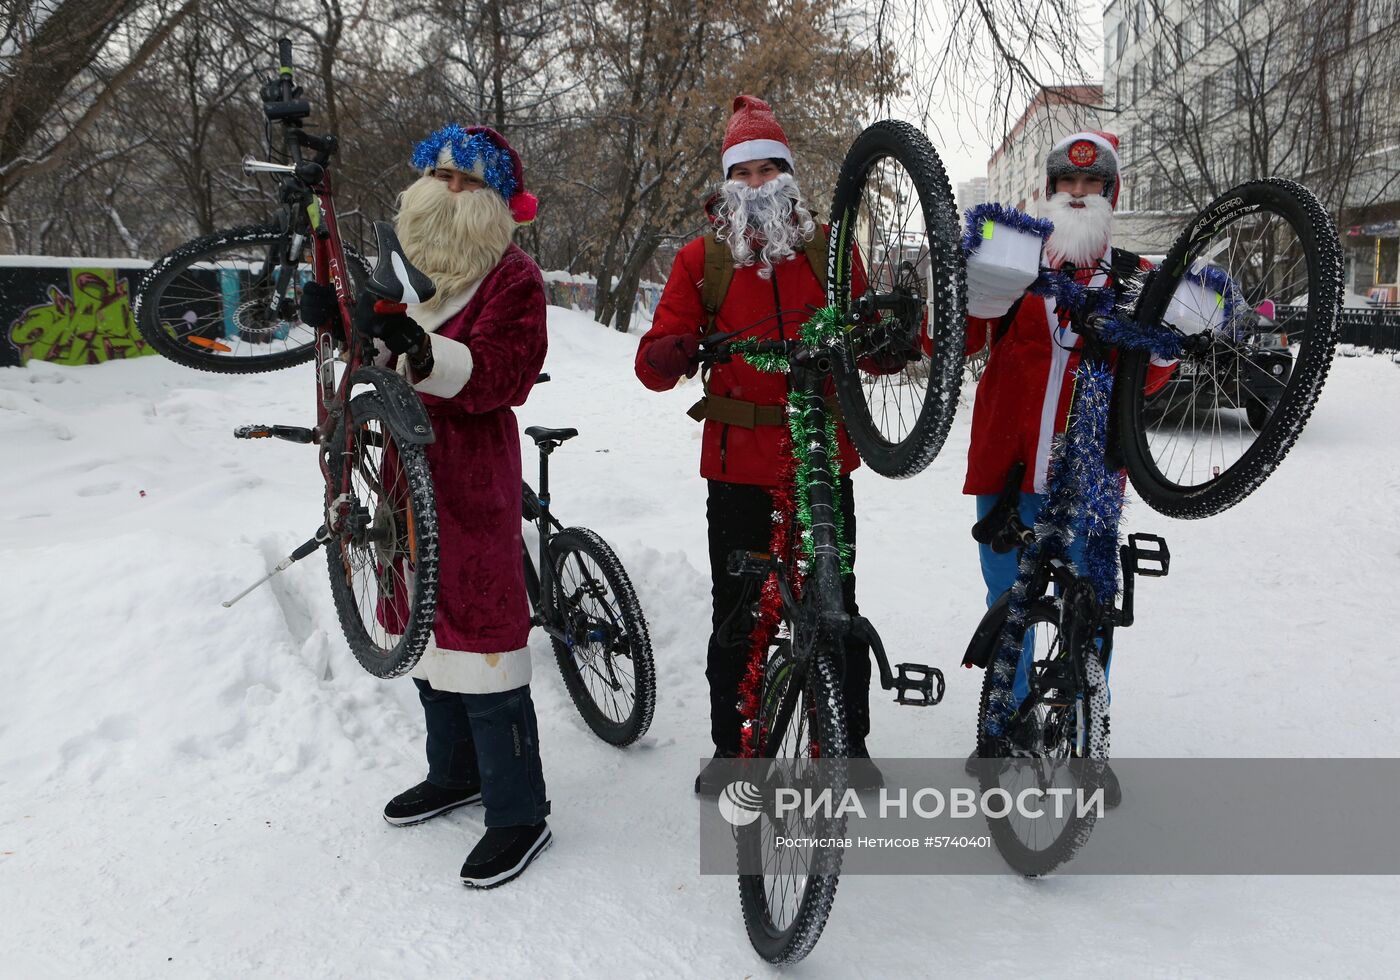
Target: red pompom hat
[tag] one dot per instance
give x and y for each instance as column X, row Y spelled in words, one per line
column 753, row 133
column 1091, row 152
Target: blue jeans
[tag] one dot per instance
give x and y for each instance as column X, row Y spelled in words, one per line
column 490, row 739
column 999, row 572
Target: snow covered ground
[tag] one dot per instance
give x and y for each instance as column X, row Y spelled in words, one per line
column 191, row 791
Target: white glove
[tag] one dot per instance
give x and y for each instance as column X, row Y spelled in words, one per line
column 1004, row 264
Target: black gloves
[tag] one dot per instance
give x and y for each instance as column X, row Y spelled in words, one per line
column 388, row 323
column 318, row 305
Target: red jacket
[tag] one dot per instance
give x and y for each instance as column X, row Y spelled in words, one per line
column 475, row 461
column 1023, row 397
column 730, row 452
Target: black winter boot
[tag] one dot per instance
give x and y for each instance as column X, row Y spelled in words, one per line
column 427, row 800
column 503, row 854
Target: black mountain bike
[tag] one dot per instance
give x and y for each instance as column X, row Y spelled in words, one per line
column 801, row 714
column 584, row 600
column 1265, row 243
column 227, row 303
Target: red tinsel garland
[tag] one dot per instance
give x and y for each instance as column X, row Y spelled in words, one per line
column 770, row 603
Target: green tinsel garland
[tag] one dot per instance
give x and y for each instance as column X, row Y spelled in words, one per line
column 824, row 326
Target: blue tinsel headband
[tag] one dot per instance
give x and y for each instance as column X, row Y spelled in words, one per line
column 467, row 148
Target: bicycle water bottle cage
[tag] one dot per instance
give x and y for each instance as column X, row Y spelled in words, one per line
column 1147, row 554
column 394, row 278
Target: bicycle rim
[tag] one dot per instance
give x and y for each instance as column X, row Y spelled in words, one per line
column 1255, row 282
column 894, row 222
column 383, row 565
column 800, row 720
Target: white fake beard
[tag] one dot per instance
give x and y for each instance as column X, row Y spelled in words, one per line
column 1081, row 235
column 454, row 238
column 767, row 223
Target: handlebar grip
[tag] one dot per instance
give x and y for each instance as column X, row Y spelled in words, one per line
column 389, row 306
column 284, row 56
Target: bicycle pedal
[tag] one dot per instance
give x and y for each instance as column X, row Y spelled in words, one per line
column 291, row 433
column 918, row 684
column 750, row 564
column 1147, row 554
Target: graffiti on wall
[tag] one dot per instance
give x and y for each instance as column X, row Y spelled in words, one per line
column 85, row 320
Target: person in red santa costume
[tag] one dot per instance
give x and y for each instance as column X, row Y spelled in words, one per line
column 473, row 351
column 1024, row 393
column 764, row 232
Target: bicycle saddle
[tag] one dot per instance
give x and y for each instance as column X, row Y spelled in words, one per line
column 540, row 434
column 394, row 277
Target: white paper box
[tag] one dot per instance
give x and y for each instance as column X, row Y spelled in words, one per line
column 1000, row 270
column 1195, row 308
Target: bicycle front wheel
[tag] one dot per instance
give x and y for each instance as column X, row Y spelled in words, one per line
column 896, row 270
column 801, row 720
column 1059, row 742
column 605, row 656
column 383, row 559
column 227, row 302
column 1255, row 282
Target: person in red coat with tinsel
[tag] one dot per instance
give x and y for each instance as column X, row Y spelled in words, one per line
column 1024, row 393
column 770, row 240
column 473, row 351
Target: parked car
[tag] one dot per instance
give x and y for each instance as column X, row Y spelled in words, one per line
column 1247, row 374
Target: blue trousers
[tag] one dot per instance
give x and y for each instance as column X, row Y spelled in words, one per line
column 490, row 739
column 999, row 572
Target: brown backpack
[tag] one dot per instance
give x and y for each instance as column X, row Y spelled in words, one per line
column 719, row 271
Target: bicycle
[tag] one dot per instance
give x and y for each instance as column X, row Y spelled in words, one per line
column 1197, row 310
column 582, row 598
column 798, row 714
column 240, row 286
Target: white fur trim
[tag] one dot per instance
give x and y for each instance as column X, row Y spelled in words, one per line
column 1094, row 138
column 445, row 162
column 756, row 150
column 465, row 672
column 430, row 320
column 452, row 369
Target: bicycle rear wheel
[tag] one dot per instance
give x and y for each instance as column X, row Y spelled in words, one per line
column 1256, row 283
column 606, row 655
column 383, row 560
column 1060, row 743
column 895, row 227
column 213, row 303
column 801, row 719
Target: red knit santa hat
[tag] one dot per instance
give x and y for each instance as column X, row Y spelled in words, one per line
column 753, row 133
column 1091, row 152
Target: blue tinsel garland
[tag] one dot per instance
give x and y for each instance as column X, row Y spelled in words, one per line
column 497, row 164
column 1010, row 217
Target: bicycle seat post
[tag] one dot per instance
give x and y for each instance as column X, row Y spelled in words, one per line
column 546, row 447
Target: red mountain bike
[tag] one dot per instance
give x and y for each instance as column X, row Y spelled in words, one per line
column 228, row 303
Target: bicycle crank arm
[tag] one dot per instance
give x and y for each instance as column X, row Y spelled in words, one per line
column 321, row 537
column 292, row 433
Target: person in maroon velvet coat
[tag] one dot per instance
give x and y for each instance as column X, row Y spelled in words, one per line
column 472, row 352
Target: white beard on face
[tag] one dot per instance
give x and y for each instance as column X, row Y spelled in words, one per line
column 1081, row 235
column 454, row 238
column 766, row 223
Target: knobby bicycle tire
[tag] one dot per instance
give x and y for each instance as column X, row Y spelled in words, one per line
column 174, row 291
column 607, row 630
column 932, row 369
column 1312, row 326
column 385, row 586
column 822, row 705
column 1071, row 836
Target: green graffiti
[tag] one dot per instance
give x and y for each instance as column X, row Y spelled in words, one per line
column 90, row 324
